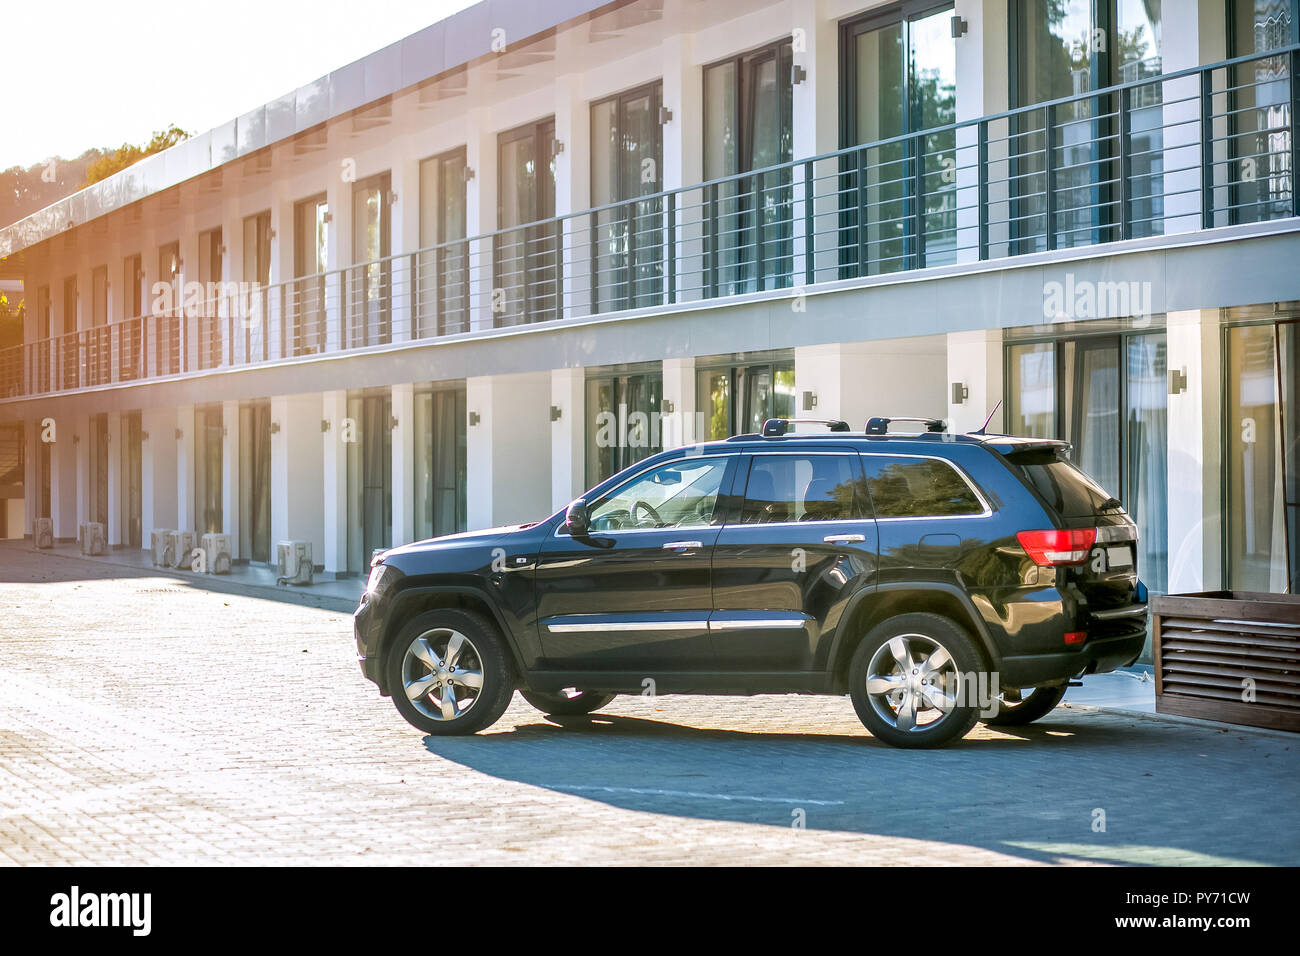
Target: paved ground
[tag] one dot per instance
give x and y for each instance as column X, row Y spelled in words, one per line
column 145, row 720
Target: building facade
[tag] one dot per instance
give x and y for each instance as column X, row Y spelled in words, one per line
column 453, row 284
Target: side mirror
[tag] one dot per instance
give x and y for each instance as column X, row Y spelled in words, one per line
column 577, row 519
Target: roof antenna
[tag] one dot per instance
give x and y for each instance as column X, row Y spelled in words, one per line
column 983, row 427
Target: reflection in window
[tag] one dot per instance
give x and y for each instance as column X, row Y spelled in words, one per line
column 624, row 424
column 917, row 488
column 789, row 488
column 681, row 494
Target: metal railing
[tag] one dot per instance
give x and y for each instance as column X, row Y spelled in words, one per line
column 1177, row 152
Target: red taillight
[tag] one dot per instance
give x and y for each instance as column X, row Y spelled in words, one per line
column 1056, row 547
column 1075, row 637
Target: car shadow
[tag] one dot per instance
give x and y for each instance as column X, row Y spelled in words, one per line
column 1032, row 793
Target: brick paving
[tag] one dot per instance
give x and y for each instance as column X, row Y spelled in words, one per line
column 147, row 720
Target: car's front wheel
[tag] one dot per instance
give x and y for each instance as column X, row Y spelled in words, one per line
column 1038, row 703
column 914, row 681
column 450, row 672
column 563, row 705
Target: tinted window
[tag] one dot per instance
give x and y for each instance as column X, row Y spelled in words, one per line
column 801, row 488
column 1064, row 488
column 681, row 494
column 917, row 488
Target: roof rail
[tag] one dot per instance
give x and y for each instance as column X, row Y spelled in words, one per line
column 776, row 427
column 880, row 426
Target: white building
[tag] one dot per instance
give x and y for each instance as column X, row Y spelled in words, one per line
column 455, row 283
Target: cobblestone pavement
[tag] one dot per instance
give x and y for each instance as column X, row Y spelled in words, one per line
column 146, row 720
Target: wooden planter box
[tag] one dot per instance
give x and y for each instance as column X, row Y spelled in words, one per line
column 1214, row 650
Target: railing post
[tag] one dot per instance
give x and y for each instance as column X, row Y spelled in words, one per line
column 670, row 244
column 756, row 205
column 1049, row 176
column 982, row 178
column 1207, row 149
column 918, row 200
column 809, row 238
column 1125, row 162
column 861, row 186
column 1295, row 142
column 558, row 294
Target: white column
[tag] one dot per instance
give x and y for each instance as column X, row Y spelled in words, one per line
column 403, row 399
column 230, row 501
column 1194, row 428
column 568, row 433
column 573, row 190
column 509, row 450
column 815, row 130
column 975, row 360
column 334, row 483
column 189, row 239
column 683, row 154
column 274, row 321
column 682, row 425
column 31, row 476
column 157, row 471
column 406, row 240
column 296, row 499
column 184, row 439
column 338, row 196
column 982, row 89
column 63, row 480
column 480, row 211
column 113, row 533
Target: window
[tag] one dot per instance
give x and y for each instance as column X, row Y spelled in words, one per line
column 681, row 494
column 899, row 76
column 526, row 251
column 748, row 103
column 310, row 260
column 917, row 488
column 738, row 399
column 440, row 461
column 370, row 283
column 623, row 422
column 442, row 305
column 257, row 272
column 626, row 157
column 802, row 488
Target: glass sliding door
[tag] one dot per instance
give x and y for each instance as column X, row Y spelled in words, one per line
column 1137, row 56
column 370, row 478
column 208, row 453
column 169, row 353
column 132, row 480
column 748, row 103
column 131, row 354
column 1261, row 105
column 525, row 256
column 257, row 273
column 255, row 481
column 211, row 268
column 370, row 288
column 626, row 156
column 899, row 200
column 737, row 399
column 1262, row 442
column 98, row 467
column 443, row 267
column 1106, row 395
column 623, row 421
column 310, row 260
column 440, row 461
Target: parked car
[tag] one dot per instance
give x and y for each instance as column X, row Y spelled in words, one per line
column 934, row 578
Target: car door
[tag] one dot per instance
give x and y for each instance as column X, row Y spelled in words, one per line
column 635, row 592
column 801, row 542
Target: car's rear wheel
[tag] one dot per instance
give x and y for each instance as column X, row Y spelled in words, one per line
column 1038, row 703
column 565, row 705
column 450, row 672
column 914, row 681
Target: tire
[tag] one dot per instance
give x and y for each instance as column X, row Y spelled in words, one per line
column 421, row 672
column 562, row 705
column 1039, row 703
column 881, row 689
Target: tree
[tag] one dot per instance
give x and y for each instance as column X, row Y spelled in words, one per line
column 128, row 155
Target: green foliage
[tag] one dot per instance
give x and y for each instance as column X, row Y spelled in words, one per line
column 128, row 155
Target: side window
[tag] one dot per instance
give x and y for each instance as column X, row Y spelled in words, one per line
column 917, row 488
column 681, row 494
column 802, row 488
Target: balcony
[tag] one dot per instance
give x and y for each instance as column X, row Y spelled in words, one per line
column 1177, row 153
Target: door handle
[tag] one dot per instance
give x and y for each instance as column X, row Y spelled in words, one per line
column 682, row 545
column 844, row 538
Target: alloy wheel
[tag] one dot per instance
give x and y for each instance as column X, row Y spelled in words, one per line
column 442, row 674
column 912, row 682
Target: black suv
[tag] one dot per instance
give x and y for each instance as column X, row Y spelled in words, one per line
column 936, row 579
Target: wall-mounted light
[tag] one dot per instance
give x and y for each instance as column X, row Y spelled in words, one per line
column 959, row 393
column 275, row 428
column 557, row 147
column 809, row 401
column 959, row 27
column 144, row 436
column 474, row 418
column 328, row 217
column 555, row 413
column 324, row 424
column 1177, row 381
column 392, row 422
column 666, row 406
column 392, row 197
column 76, row 439
column 469, row 173
column 665, row 116
column 180, row 433
column 797, row 74
column 270, row 233
column 221, row 250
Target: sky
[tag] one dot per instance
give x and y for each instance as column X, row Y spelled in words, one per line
column 82, row 73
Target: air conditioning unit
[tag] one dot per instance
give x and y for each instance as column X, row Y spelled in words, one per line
column 92, row 538
column 293, row 562
column 160, row 547
column 181, row 547
column 43, row 532
column 216, row 553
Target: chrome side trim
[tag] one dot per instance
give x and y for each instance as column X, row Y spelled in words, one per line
column 756, row 624
column 608, row 626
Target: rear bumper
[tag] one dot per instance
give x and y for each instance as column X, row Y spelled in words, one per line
column 1118, row 646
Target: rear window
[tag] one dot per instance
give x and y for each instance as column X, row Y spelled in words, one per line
column 1065, row 489
column 917, row 488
